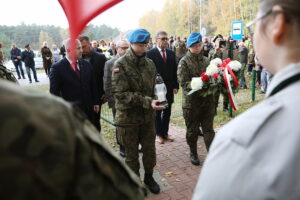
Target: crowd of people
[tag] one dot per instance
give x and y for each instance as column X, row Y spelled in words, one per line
column 124, row 75
column 254, row 156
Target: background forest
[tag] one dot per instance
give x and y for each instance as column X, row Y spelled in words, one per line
column 35, row 35
column 178, row 17
column 181, row 17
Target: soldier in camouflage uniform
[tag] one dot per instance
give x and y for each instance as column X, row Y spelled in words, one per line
column 133, row 82
column 222, row 53
column 56, row 154
column 196, row 109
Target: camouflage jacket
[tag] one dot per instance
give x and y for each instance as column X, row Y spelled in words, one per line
column 223, row 54
column 180, row 48
column 56, row 154
column 133, row 82
column 7, row 74
column 191, row 65
column 216, row 54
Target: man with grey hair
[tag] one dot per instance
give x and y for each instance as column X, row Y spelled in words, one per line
column 122, row 46
column 166, row 65
column 75, row 82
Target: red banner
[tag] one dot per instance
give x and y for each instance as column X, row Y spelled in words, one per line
column 81, row 12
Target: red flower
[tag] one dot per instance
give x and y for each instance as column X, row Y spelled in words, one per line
column 203, row 73
column 204, row 77
column 215, row 76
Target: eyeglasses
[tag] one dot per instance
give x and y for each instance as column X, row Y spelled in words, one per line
column 164, row 38
column 124, row 48
column 250, row 26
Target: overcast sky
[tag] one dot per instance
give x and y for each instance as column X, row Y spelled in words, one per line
column 124, row 15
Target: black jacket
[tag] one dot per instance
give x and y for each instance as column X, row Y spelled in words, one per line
column 81, row 92
column 97, row 61
column 167, row 70
column 14, row 53
column 28, row 58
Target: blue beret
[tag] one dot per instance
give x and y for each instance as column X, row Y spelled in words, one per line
column 138, row 36
column 194, row 38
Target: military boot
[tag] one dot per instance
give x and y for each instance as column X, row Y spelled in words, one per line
column 151, row 183
column 194, row 158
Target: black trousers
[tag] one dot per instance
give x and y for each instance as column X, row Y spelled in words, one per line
column 28, row 73
column 162, row 121
column 19, row 68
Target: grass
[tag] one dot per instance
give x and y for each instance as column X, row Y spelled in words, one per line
column 243, row 98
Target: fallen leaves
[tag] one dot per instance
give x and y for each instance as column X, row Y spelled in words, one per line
column 169, row 174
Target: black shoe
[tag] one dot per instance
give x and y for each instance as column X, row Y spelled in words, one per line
column 194, row 159
column 24, row 77
column 151, row 183
column 30, row 81
column 37, row 81
column 19, row 77
column 122, row 151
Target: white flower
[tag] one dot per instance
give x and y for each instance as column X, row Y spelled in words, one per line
column 196, row 83
column 216, row 61
column 107, row 55
column 235, row 65
column 212, row 69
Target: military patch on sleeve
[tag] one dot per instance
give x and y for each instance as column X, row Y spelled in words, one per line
column 116, row 70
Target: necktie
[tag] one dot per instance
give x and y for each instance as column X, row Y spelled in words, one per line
column 77, row 70
column 164, row 55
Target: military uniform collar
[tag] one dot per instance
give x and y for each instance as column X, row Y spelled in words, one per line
column 284, row 75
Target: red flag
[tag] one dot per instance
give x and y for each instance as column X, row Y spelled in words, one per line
column 80, row 12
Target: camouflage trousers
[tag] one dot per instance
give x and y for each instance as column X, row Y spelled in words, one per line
column 134, row 135
column 194, row 117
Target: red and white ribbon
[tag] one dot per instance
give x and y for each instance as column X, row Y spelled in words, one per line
column 228, row 86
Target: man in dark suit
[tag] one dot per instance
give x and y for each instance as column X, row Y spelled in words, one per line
column 27, row 57
column 166, row 66
column 15, row 54
column 75, row 83
column 97, row 61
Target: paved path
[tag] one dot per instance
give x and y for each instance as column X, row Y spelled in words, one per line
column 44, row 80
column 174, row 171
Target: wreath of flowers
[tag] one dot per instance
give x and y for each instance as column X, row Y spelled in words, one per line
column 219, row 75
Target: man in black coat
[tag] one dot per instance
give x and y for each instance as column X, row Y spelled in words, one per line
column 75, row 83
column 15, row 55
column 165, row 62
column 27, row 57
column 97, row 61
